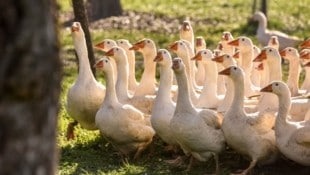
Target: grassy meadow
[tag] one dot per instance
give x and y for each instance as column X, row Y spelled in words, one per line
column 89, row 153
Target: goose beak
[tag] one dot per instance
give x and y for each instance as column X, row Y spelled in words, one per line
column 260, row 66
column 304, row 55
column 175, row 64
column 225, row 71
column 100, row 45
column 305, row 44
column 138, row 45
column 110, row 52
column 267, row 88
column 159, row 57
column 262, row 56
column 218, row 59
column 283, row 53
column 197, row 57
column 174, row 46
column 236, row 55
column 198, row 42
column 74, row 28
column 185, row 26
column 99, row 64
column 234, row 42
column 307, row 64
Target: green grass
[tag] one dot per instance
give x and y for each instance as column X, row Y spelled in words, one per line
column 91, row 154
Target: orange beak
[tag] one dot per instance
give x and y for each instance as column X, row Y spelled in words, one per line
column 197, row 57
column 159, row 57
column 273, row 41
column 175, row 64
column 185, row 26
column 267, row 88
column 138, row 45
column 225, row 37
column 174, row 46
column 220, row 46
column 110, row 52
column 305, row 44
column 218, row 59
column 262, row 56
column 304, row 55
column 260, row 66
column 100, row 45
column 225, row 71
column 99, row 64
column 75, row 29
column 307, row 64
column 234, row 42
column 283, row 53
column 236, row 55
column 198, row 42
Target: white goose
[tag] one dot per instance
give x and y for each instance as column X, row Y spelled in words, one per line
column 245, row 46
column 274, row 42
column 121, row 124
column 253, row 139
column 263, row 34
column 208, row 97
column 256, row 73
column 305, row 57
column 292, row 138
column 187, row 33
column 292, row 55
column 147, row 84
column 85, row 96
column 143, row 103
column 200, row 75
column 132, row 82
column 197, row 132
column 164, row 107
column 226, row 48
column 180, row 48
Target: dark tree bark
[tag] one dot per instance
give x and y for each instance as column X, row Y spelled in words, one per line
column 80, row 16
column 99, row 9
column 264, row 7
column 30, row 75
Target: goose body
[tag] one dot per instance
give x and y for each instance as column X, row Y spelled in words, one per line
column 85, row 96
column 197, row 132
column 121, row 124
column 292, row 138
column 253, row 139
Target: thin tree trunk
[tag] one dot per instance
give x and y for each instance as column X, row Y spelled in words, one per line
column 30, row 75
column 264, row 7
column 80, row 16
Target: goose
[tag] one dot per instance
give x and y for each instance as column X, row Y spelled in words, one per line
column 226, row 60
column 124, row 126
column 147, row 84
column 291, row 54
column 253, row 139
column 164, row 107
column 292, row 138
column 198, row 132
column 85, row 96
column 245, row 46
column 187, row 33
column 180, row 48
column 274, row 42
column 226, row 48
column 132, row 82
column 256, row 73
column 208, row 97
column 263, row 34
column 143, row 103
column 269, row 102
column 305, row 44
column 200, row 74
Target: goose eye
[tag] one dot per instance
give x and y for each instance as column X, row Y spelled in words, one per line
column 289, row 50
column 106, row 61
column 205, row 53
column 165, row 52
column 235, row 68
column 116, row 49
column 148, row 41
column 242, row 39
column 277, row 84
column 121, row 42
column 181, row 43
column 270, row 50
column 108, row 42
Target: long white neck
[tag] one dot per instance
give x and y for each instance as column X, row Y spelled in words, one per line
column 294, row 73
column 284, row 107
column 275, row 70
column 264, row 81
column 110, row 97
column 238, row 97
column 165, row 83
column 262, row 25
column 148, row 75
column 209, row 90
column 85, row 73
column 132, row 65
column 184, row 103
column 306, row 83
column 122, row 78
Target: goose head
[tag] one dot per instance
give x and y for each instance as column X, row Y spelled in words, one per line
column 219, row 46
column 104, row 64
column 307, row 64
column 179, row 47
column 204, row 55
column 260, row 17
column 242, row 42
column 256, row 50
column 105, row 45
column 178, row 65
column 267, row 52
column 200, row 43
column 234, row 72
column 227, row 36
column 77, row 32
column 277, row 87
column 289, row 53
column 163, row 57
column 225, row 59
column 217, row 52
column 144, row 45
column 186, row 31
column 305, row 54
column 123, row 43
column 274, row 42
column 305, row 44
column 117, row 53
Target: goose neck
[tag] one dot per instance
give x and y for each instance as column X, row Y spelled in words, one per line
column 122, row 78
column 165, row 82
column 184, row 102
column 110, row 97
column 85, row 72
column 284, row 107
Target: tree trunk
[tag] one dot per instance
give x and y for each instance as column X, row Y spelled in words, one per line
column 99, row 9
column 80, row 16
column 264, row 7
column 30, row 75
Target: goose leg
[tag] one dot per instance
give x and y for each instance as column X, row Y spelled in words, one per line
column 217, row 166
column 244, row 172
column 70, row 130
column 190, row 165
